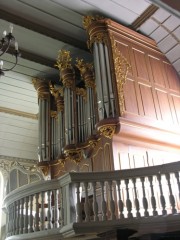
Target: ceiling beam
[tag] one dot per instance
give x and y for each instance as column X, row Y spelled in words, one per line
column 144, row 17
column 42, row 30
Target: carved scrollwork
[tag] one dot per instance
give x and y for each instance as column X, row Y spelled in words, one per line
column 107, row 131
column 121, row 69
column 88, row 20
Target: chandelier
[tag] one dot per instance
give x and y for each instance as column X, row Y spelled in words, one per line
column 7, row 42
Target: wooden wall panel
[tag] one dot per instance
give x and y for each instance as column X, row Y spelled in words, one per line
column 157, row 71
column 148, row 101
column 166, row 114
column 124, row 49
column 172, row 77
column 176, row 101
column 141, row 65
column 131, row 104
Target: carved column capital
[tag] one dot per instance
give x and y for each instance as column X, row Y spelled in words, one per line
column 96, row 29
column 42, row 88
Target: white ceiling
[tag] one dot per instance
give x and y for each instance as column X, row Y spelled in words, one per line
column 44, row 27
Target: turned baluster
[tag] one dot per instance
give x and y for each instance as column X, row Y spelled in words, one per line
column 112, row 203
column 26, row 215
column 61, row 210
column 120, row 202
column 177, row 179
column 37, row 212
column 31, row 214
column 18, row 218
column 14, row 218
column 42, row 216
column 171, row 196
column 136, row 200
column 95, row 204
column 78, row 204
column 153, row 199
column 104, row 206
column 144, row 200
column 162, row 199
column 8, row 221
column 128, row 201
column 86, row 204
column 49, row 210
column 22, row 216
column 56, row 211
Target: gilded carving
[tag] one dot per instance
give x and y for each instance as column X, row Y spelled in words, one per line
column 53, row 114
column 87, row 72
column 101, row 37
column 121, row 69
column 58, row 95
column 88, row 20
column 42, row 88
column 74, row 155
column 63, row 60
column 107, row 131
column 81, row 92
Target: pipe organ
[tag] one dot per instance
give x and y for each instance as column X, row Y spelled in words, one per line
column 86, row 104
column 80, row 116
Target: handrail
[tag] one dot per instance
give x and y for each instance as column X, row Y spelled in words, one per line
column 94, row 197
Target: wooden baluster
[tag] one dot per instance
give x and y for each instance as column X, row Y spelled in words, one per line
column 171, row 196
column 86, row 205
column 95, row 204
column 8, row 221
column 42, row 217
column 26, row 215
column 56, row 211
column 15, row 217
column 162, row 199
column 120, row 202
column 136, row 200
column 112, row 204
column 177, row 179
column 18, row 218
column 49, row 209
column 22, row 216
column 104, row 207
column 128, row 201
column 31, row 215
column 61, row 211
column 153, row 199
column 78, row 204
column 37, row 212
column 144, row 200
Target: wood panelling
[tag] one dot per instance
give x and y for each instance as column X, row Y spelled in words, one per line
column 157, row 71
column 140, row 63
column 176, row 101
column 152, row 82
column 147, row 100
column 124, row 49
column 131, row 104
column 165, row 109
column 172, row 77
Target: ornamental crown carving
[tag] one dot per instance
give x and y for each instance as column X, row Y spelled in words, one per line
column 83, row 67
column 88, row 20
column 63, row 60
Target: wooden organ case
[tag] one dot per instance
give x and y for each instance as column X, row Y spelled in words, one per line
column 121, row 112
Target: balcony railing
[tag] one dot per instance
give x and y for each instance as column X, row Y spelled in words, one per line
column 95, row 199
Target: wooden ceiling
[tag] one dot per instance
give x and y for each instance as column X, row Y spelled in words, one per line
column 42, row 28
